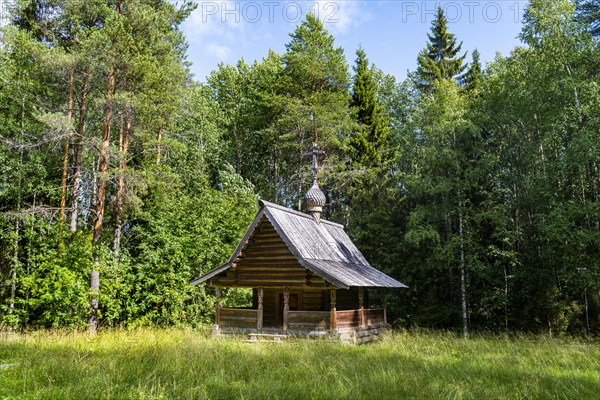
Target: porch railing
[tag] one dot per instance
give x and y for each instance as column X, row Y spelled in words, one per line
column 309, row 320
column 305, row 320
column 352, row 318
column 238, row 318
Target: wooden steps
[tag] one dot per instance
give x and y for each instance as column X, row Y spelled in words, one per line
column 266, row 338
column 352, row 336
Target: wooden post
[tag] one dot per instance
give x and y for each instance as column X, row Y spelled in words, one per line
column 217, row 306
column 259, row 310
column 333, row 317
column 361, row 305
column 383, row 294
column 286, row 308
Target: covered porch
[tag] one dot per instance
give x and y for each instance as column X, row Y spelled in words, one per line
column 290, row 311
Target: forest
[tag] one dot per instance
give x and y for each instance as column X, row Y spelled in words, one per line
column 122, row 177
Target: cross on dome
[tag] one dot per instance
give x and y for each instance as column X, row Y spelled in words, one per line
column 315, row 198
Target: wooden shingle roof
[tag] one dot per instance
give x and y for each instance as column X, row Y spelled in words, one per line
column 322, row 248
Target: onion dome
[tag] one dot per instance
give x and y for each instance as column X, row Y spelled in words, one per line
column 315, row 201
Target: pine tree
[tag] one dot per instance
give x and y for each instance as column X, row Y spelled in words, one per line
column 313, row 62
column 368, row 141
column 439, row 59
column 312, row 105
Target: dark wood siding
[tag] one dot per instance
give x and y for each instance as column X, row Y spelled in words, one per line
column 269, row 308
column 312, row 300
column 347, row 299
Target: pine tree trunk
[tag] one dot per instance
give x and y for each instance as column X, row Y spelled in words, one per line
column 123, row 149
column 65, row 169
column 101, row 200
column 78, row 157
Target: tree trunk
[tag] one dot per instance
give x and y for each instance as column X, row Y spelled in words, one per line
column 78, row 157
column 505, row 298
column 65, row 169
column 463, row 273
column 124, row 130
column 101, row 200
column 13, row 278
column 158, row 149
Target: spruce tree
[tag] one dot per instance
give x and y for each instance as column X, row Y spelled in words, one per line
column 588, row 13
column 473, row 75
column 367, row 142
column 439, row 59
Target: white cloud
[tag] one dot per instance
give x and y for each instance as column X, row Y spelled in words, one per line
column 341, row 16
column 222, row 53
column 214, row 18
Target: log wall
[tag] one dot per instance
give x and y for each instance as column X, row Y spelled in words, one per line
column 267, row 262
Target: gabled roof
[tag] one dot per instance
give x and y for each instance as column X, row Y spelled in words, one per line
column 323, row 248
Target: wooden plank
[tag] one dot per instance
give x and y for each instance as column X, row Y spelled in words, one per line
column 249, row 274
column 348, row 318
column 259, row 311
column 374, row 316
column 237, row 311
column 361, row 296
column 271, row 237
column 286, row 308
column 272, row 279
column 332, row 318
column 266, row 251
column 271, row 285
column 282, row 257
column 270, row 263
column 271, row 269
column 275, row 274
column 309, row 317
column 268, row 241
column 217, row 306
column 238, row 317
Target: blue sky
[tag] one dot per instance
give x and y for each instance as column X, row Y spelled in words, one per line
column 392, row 32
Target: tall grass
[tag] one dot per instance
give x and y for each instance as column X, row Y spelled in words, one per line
column 177, row 364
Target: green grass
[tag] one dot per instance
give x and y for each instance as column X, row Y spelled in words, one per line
column 173, row 364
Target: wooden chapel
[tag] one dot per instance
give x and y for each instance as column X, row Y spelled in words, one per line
column 307, row 277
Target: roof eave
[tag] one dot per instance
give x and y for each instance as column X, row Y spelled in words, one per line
column 210, row 274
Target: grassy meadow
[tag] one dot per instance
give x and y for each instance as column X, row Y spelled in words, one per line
column 180, row 364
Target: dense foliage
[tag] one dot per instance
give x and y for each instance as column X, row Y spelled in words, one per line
column 477, row 186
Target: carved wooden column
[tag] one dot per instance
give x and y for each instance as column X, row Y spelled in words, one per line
column 218, row 306
column 259, row 310
column 333, row 317
column 361, row 305
column 286, row 308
